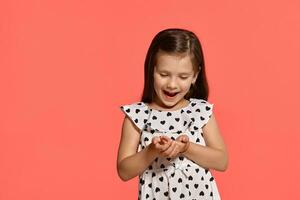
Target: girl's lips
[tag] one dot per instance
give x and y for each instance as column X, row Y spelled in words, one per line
column 170, row 94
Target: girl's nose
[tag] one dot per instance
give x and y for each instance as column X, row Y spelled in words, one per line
column 172, row 83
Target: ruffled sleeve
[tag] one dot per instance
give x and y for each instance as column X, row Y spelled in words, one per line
column 138, row 113
column 203, row 110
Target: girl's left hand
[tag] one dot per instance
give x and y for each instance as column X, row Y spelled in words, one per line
column 177, row 146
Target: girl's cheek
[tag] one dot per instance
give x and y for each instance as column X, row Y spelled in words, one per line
column 186, row 85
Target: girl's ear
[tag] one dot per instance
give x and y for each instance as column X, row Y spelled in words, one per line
column 195, row 78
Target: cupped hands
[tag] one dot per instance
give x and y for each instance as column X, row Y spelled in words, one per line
column 168, row 147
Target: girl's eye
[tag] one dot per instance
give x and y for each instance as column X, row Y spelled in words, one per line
column 163, row 75
column 184, row 77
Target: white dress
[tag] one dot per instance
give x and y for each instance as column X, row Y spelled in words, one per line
column 177, row 178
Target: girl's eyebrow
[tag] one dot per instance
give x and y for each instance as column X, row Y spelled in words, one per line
column 185, row 73
column 182, row 73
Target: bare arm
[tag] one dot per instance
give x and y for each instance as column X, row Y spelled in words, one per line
column 214, row 154
column 129, row 162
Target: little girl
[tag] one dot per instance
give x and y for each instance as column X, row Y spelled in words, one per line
column 170, row 139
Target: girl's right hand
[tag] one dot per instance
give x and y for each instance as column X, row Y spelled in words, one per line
column 184, row 139
column 161, row 143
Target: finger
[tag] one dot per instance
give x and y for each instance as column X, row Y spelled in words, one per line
column 157, row 143
column 185, row 139
column 179, row 138
column 159, row 147
column 174, row 152
column 164, row 148
column 179, row 146
column 155, row 140
column 168, row 150
column 161, row 142
column 184, row 147
column 165, row 139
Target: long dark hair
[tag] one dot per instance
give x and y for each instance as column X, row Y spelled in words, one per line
column 176, row 41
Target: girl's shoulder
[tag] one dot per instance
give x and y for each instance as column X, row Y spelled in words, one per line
column 133, row 107
column 196, row 103
column 137, row 112
column 201, row 109
column 199, row 101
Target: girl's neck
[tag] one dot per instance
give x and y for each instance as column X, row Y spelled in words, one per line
column 158, row 105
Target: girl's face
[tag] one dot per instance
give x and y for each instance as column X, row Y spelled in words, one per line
column 173, row 76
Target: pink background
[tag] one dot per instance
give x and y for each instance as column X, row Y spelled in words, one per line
column 67, row 65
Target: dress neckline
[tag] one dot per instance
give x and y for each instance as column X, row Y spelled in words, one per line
column 177, row 110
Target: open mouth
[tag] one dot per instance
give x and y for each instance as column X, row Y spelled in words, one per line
column 170, row 94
